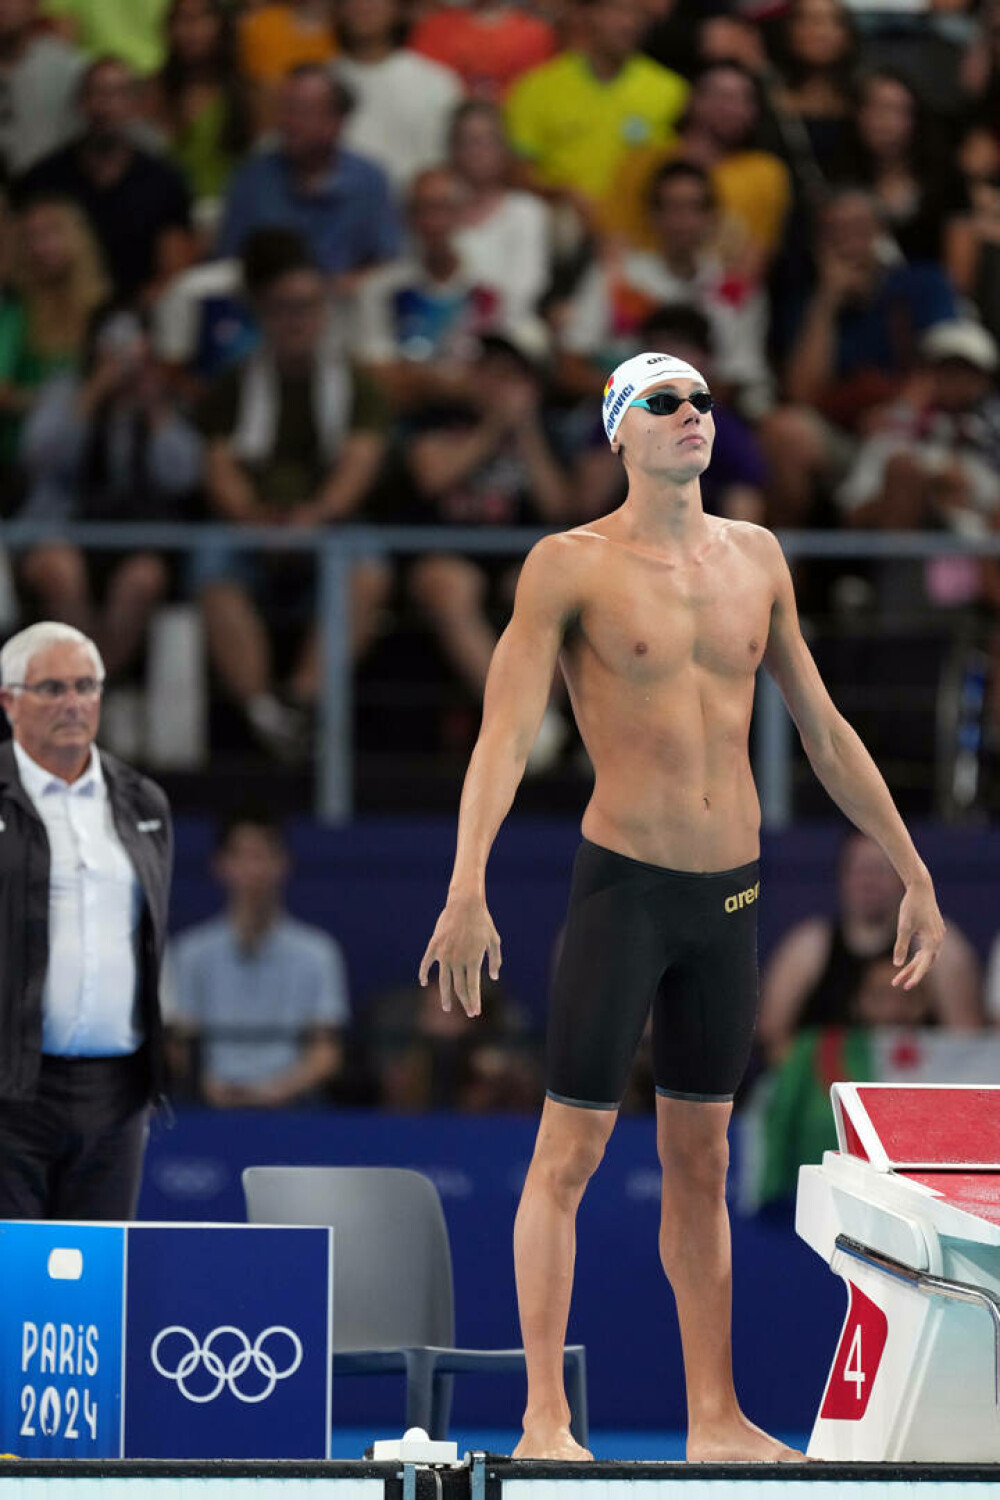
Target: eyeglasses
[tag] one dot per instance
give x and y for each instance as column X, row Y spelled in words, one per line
column 665, row 403
column 53, row 687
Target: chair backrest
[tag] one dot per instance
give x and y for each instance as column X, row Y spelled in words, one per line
column 392, row 1282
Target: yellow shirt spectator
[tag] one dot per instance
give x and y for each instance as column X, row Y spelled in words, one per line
column 753, row 190
column 276, row 38
column 577, row 129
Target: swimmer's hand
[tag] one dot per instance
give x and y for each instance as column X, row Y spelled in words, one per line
column 463, row 937
column 920, row 927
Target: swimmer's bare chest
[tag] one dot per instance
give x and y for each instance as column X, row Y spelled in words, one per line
column 660, row 662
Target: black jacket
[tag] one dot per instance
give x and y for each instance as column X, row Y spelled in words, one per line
column 142, row 819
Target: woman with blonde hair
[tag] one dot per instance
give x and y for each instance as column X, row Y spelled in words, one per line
column 57, row 280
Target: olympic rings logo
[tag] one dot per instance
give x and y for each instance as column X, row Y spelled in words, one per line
column 223, row 1373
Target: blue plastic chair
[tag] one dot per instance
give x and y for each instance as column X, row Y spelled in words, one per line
column 393, row 1302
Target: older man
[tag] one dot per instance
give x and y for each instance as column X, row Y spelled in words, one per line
column 85, row 854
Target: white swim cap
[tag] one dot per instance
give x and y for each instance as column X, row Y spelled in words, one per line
column 634, row 377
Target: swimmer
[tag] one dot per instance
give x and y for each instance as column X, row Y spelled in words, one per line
column 659, row 616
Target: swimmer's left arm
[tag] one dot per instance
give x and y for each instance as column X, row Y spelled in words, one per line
column 848, row 773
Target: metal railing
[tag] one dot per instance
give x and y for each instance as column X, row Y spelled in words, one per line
column 337, row 548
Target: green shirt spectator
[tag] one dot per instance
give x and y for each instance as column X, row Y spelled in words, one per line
column 58, row 284
column 132, row 30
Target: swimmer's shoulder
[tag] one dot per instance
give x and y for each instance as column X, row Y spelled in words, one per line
column 559, row 576
column 566, row 555
column 757, row 544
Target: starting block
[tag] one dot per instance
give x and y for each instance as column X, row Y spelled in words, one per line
column 907, row 1211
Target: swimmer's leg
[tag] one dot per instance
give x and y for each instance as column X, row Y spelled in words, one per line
column 568, row 1149
column 695, row 1251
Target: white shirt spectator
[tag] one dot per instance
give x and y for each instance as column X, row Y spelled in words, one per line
column 612, row 299
column 511, row 250
column 403, row 313
column 254, row 1008
column 402, row 110
column 38, row 102
column 89, row 1001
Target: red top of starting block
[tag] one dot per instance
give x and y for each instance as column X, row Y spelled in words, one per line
column 977, row 1193
column 912, row 1125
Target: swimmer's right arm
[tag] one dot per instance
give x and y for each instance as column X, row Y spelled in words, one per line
column 517, row 691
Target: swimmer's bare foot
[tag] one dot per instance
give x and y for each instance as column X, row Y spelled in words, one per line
column 542, row 1440
column 738, row 1440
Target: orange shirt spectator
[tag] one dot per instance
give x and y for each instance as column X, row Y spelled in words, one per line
column 279, row 37
column 489, row 46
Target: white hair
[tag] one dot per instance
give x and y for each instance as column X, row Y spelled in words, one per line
column 19, row 652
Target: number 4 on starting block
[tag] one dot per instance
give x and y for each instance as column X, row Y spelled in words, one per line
column 859, row 1355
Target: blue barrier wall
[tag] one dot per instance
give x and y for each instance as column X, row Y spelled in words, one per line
column 378, row 886
column 788, row 1307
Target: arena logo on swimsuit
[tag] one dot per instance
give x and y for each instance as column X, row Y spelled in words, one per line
column 745, row 898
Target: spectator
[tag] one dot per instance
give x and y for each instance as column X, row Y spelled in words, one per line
column 492, row 467
column 856, row 344
column 82, row 1054
column 261, row 997
column 816, row 975
column 673, row 35
column 878, row 1002
column 278, row 37
column 488, row 43
column 734, row 484
column 818, row 55
column 137, row 204
column 576, row 119
column 402, row 101
column 417, row 319
column 426, row 1058
column 338, row 202
column 58, row 283
column 133, row 32
column 39, row 76
column 294, row 439
column 896, row 153
column 506, row 235
column 936, row 459
column 617, row 295
column 980, row 149
column 718, row 133
column 198, row 102
column 204, row 322
column 106, row 445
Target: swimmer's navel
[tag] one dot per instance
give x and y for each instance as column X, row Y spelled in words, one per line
column 706, row 802
column 641, row 648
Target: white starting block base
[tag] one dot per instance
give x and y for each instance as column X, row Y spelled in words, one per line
column 908, row 1213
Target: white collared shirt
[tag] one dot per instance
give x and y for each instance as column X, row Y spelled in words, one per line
column 90, row 998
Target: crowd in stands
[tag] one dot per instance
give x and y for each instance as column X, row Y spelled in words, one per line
column 307, row 261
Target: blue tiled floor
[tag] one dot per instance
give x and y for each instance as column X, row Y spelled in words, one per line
column 351, row 1442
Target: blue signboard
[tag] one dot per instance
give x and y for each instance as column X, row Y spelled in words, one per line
column 61, row 1340
column 228, row 1343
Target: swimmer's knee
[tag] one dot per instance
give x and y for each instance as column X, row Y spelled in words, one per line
column 565, row 1160
column 694, row 1160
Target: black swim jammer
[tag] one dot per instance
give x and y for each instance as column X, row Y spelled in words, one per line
column 640, row 935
